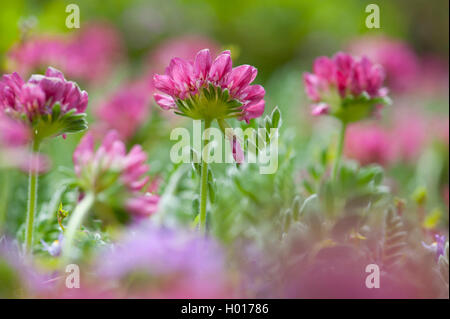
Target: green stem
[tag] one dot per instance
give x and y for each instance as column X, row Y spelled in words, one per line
column 32, row 195
column 204, row 183
column 4, row 198
column 75, row 222
column 339, row 151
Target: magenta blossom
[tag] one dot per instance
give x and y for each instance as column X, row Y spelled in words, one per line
column 34, row 101
column 126, row 110
column 368, row 144
column 184, row 47
column 344, row 86
column 397, row 58
column 207, row 89
column 101, row 169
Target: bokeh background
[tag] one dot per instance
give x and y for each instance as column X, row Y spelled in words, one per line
column 122, row 43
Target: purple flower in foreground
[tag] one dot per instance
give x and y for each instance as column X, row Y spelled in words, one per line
column 168, row 263
column 207, row 89
column 54, row 249
column 17, row 276
column 437, row 246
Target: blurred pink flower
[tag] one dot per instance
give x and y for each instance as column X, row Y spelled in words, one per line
column 100, row 169
column 13, row 133
column 15, row 138
column 183, row 47
column 87, row 55
column 227, row 90
column 397, row 58
column 336, row 78
column 434, row 76
column 368, row 144
column 126, row 110
column 409, row 134
column 38, row 96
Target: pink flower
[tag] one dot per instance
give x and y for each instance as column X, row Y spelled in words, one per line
column 184, row 47
column 101, row 169
column 238, row 153
column 409, row 134
column 13, row 133
column 143, row 205
column 88, row 55
column 204, row 88
column 126, row 110
column 397, row 58
column 337, row 81
column 38, row 96
column 368, row 144
column 14, row 152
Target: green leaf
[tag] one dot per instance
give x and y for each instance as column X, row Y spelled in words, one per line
column 276, row 117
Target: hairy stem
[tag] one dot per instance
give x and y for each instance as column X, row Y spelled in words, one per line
column 32, row 195
column 204, row 182
column 337, row 161
column 75, row 222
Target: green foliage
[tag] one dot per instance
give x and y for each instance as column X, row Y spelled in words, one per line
column 56, row 123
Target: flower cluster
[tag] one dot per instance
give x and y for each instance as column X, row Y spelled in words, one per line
column 48, row 98
column 184, row 47
column 101, row 169
column 346, row 87
column 207, row 89
column 77, row 56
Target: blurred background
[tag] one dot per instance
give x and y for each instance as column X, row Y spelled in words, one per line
column 121, row 44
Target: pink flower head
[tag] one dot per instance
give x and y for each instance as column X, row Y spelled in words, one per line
column 397, row 58
column 38, row 96
column 100, row 169
column 204, row 88
column 339, row 81
column 368, row 144
column 126, row 110
column 184, row 47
